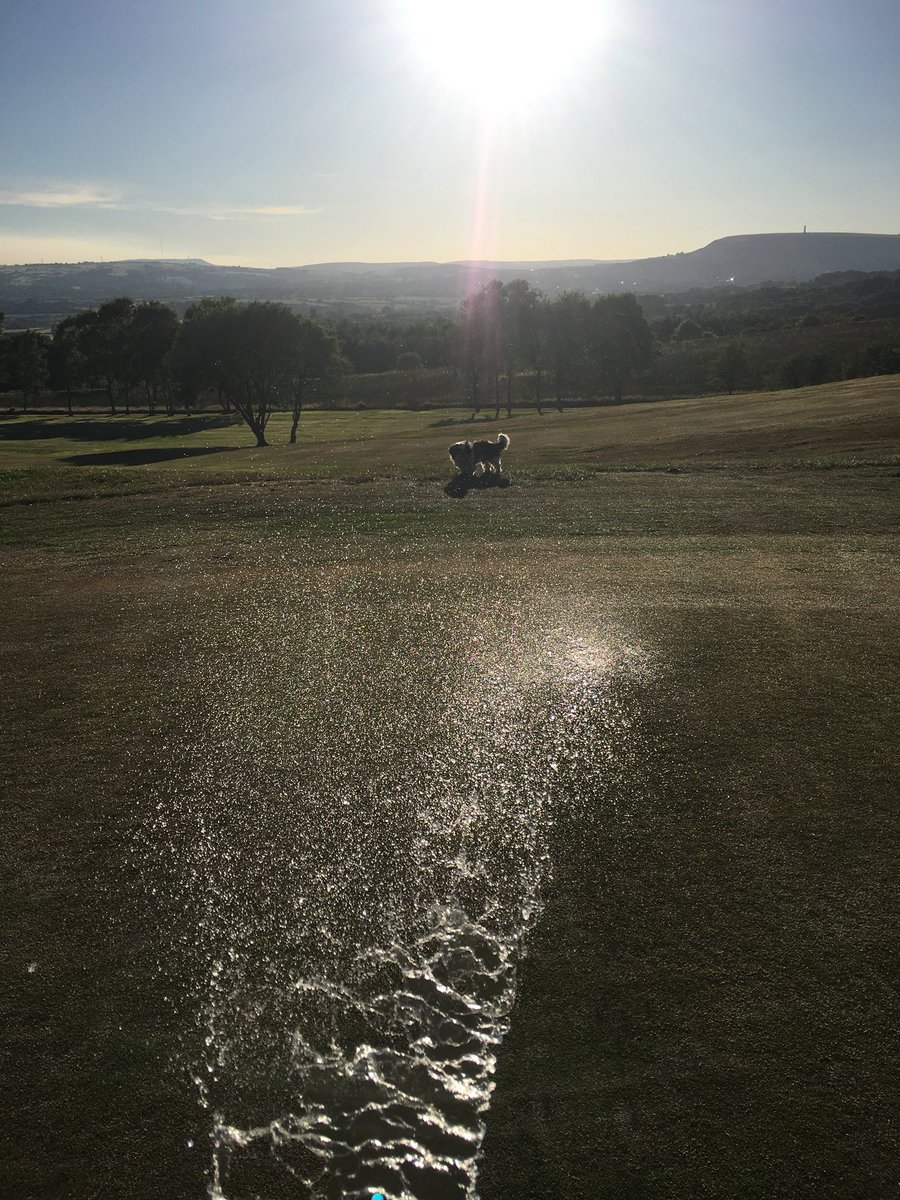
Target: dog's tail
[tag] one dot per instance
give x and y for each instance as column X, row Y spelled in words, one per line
column 502, row 441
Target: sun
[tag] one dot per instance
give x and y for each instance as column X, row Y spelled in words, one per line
column 503, row 56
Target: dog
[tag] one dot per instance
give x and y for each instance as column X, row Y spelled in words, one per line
column 461, row 457
column 467, row 455
column 488, row 453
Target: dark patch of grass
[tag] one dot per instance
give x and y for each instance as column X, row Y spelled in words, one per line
column 94, row 429
column 140, row 458
column 710, row 1005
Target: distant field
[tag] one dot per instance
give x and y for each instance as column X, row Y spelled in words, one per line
column 708, row 1002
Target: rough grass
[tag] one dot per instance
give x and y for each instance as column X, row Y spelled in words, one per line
column 709, row 1006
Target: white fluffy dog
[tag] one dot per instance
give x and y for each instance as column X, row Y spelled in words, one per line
column 467, row 455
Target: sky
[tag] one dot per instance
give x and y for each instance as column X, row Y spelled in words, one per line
column 286, row 132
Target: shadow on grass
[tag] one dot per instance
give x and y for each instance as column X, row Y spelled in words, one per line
column 139, row 458
column 460, row 485
column 109, row 428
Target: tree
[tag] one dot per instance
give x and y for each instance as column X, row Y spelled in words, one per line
column 568, row 318
column 874, row 359
column 257, row 359
column 368, row 346
column 373, row 344
column 317, row 361
column 150, row 337
column 261, row 354
column 793, row 371
column 432, row 338
column 731, row 365
column 621, row 340
column 110, row 337
column 519, row 306
column 24, row 363
column 67, row 357
column 197, row 357
column 409, row 360
column 478, row 316
column 539, row 349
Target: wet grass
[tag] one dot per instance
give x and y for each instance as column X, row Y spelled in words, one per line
column 709, row 1007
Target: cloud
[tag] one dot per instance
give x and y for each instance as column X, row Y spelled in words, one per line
column 223, row 213
column 278, row 210
column 80, row 194
column 65, row 195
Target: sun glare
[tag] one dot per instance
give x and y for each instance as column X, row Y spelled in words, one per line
column 503, row 56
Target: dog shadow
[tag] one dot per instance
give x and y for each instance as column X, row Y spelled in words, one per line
column 460, row 485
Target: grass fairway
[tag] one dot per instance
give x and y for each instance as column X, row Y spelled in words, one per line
column 709, row 1002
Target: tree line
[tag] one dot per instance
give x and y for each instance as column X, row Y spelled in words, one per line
column 254, row 357
column 509, row 344
column 510, row 331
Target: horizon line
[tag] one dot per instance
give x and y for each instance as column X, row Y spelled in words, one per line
column 581, row 260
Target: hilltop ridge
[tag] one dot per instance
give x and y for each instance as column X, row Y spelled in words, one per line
column 45, row 292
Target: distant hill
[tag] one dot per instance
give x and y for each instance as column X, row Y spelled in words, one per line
column 40, row 294
column 750, row 259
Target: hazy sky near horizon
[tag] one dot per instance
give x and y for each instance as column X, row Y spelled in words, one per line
column 281, row 133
